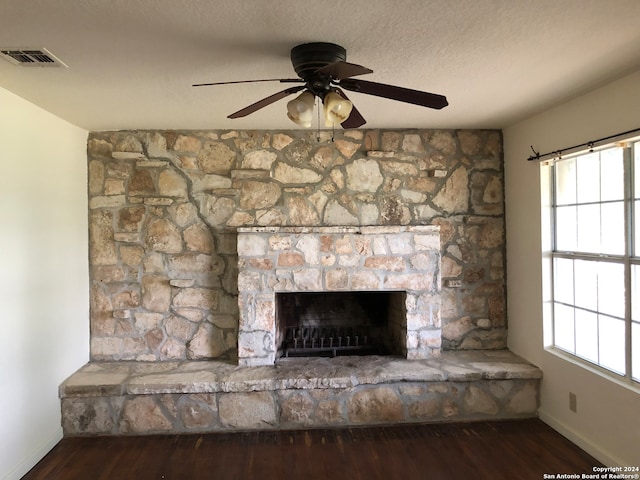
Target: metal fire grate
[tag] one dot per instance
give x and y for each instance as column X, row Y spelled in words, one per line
column 333, row 341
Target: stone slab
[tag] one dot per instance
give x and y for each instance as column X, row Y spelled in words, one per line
column 127, row 378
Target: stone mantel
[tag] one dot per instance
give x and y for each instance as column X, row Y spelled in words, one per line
column 365, row 230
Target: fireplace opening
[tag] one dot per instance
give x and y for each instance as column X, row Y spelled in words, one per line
column 340, row 323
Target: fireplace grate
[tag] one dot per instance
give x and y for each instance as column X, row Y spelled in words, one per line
column 332, row 341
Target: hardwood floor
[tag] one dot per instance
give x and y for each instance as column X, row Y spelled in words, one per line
column 522, row 449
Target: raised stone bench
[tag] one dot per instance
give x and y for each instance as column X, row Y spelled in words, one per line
column 120, row 398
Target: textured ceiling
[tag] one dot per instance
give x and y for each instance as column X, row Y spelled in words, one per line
column 132, row 62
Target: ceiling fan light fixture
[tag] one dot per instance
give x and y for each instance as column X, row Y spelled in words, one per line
column 336, row 109
column 300, row 109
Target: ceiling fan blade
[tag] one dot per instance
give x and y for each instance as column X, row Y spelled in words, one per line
column 355, row 119
column 281, row 80
column 265, row 101
column 340, row 70
column 407, row 95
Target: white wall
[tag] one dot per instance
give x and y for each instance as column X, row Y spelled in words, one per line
column 607, row 423
column 44, row 327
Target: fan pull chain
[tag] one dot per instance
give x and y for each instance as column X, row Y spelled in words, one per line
column 318, row 112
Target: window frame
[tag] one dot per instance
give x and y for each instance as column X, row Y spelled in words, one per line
column 629, row 258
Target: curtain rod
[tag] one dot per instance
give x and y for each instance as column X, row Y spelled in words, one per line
column 594, row 143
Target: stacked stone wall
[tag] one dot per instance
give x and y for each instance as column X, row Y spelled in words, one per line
column 164, row 208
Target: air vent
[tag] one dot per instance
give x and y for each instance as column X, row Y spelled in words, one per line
column 31, row 57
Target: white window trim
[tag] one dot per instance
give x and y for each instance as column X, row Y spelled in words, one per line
column 547, row 243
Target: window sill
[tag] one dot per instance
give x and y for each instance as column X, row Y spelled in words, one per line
column 595, row 369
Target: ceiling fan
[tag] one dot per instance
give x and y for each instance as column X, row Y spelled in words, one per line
column 324, row 72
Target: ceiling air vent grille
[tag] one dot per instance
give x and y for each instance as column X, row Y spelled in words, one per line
column 31, row 57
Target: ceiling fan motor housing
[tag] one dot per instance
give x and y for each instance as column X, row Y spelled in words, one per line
column 309, row 57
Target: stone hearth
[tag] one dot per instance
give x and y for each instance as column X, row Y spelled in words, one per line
column 132, row 398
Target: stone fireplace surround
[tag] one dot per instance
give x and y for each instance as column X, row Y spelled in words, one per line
column 165, row 209
column 333, row 259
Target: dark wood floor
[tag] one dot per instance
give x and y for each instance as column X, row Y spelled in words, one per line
column 523, row 449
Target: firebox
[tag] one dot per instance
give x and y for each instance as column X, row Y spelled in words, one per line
column 339, row 323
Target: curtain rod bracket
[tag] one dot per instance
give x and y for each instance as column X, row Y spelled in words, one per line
column 536, row 155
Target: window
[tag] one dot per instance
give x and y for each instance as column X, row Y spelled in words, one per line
column 596, row 257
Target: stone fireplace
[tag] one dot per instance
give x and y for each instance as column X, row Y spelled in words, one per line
column 200, row 239
column 404, row 260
